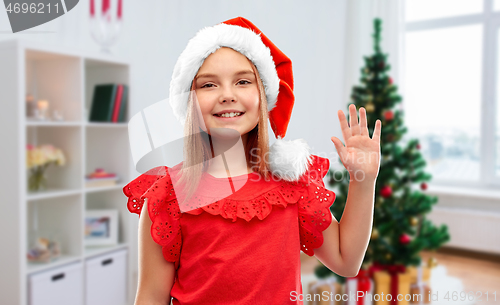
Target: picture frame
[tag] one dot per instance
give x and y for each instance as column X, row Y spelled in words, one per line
column 101, row 228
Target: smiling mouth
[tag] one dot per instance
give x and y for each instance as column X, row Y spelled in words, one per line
column 229, row 115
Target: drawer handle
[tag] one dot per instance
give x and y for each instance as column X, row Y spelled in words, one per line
column 57, row 277
column 107, row 262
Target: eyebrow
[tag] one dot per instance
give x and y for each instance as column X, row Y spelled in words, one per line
column 213, row 75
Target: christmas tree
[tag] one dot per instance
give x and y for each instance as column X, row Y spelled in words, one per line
column 400, row 230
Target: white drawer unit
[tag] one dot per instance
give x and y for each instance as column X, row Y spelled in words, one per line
column 58, row 286
column 106, row 279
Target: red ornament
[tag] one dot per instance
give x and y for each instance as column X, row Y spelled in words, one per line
column 386, row 191
column 404, row 239
column 390, row 80
column 418, row 145
column 388, row 115
column 423, row 186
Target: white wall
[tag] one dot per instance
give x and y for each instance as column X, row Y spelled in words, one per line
column 155, row 33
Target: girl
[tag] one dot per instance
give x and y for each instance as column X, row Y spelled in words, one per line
column 225, row 225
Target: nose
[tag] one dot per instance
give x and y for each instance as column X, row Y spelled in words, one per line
column 227, row 95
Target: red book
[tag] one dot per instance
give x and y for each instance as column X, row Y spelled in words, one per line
column 118, row 101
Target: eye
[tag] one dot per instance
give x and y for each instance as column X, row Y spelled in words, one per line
column 206, row 86
column 244, row 82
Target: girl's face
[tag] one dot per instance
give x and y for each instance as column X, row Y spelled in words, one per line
column 226, row 84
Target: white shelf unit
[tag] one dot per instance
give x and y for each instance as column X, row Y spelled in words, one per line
column 65, row 78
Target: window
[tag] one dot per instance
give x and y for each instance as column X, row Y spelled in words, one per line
column 417, row 10
column 451, row 98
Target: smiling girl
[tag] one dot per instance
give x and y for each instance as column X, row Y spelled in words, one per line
column 225, row 226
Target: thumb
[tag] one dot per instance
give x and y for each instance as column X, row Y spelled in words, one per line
column 338, row 144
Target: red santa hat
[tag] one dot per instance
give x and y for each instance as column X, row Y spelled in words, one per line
column 288, row 159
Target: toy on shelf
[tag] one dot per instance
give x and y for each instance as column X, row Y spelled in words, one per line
column 44, row 250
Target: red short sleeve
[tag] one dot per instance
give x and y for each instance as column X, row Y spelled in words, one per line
column 314, row 206
column 163, row 209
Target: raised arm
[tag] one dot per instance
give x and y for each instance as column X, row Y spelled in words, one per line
column 345, row 242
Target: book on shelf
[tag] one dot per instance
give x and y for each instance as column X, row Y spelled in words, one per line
column 123, row 106
column 99, row 182
column 100, row 177
column 109, row 103
column 117, row 102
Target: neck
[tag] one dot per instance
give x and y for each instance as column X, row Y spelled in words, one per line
column 230, row 159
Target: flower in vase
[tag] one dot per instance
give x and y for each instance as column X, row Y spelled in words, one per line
column 37, row 161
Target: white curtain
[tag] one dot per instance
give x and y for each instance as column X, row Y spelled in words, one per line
column 359, row 40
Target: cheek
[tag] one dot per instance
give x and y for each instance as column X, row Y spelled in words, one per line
column 253, row 101
column 253, row 108
column 256, row 103
column 206, row 106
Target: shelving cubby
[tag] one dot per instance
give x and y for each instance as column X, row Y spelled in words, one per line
column 59, row 218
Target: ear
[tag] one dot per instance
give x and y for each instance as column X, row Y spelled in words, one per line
column 289, row 160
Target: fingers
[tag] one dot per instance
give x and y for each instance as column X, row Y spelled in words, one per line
column 377, row 131
column 355, row 128
column 363, row 122
column 353, row 120
column 344, row 128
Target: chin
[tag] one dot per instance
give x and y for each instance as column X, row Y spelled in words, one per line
column 240, row 131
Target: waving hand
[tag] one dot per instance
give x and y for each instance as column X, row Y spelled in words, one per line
column 360, row 155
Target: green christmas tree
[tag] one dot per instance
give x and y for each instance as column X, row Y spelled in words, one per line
column 400, row 230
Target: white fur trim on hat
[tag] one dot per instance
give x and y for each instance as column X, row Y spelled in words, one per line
column 289, row 160
column 207, row 41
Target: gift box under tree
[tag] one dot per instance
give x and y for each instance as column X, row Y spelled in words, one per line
column 359, row 289
column 390, row 281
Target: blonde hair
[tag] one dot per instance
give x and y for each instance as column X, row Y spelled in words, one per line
column 198, row 150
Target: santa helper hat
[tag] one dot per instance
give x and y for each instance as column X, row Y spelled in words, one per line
column 288, row 159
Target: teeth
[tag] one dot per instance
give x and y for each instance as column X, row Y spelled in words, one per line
column 229, row 114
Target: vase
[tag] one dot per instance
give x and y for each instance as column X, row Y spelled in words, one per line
column 37, row 179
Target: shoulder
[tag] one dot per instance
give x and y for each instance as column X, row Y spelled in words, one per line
column 316, row 170
column 314, row 206
column 153, row 184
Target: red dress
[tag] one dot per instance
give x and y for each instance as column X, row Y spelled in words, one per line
column 241, row 249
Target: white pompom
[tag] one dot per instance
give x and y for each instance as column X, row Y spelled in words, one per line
column 289, row 160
